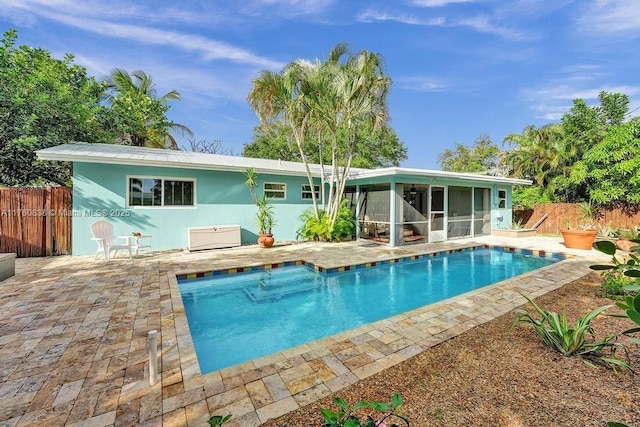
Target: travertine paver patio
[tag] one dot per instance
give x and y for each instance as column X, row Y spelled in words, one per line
column 73, row 337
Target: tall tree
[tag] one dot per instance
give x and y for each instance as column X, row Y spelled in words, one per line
column 319, row 100
column 43, row 102
column 483, row 156
column 536, row 154
column 584, row 128
column 381, row 148
column 610, row 170
column 138, row 114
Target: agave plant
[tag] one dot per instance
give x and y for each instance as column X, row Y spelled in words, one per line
column 555, row 331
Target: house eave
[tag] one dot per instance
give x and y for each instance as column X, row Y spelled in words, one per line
column 396, row 171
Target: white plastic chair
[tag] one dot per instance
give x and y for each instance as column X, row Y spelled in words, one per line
column 102, row 232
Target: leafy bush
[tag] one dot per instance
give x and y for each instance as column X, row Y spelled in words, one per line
column 529, row 196
column 321, row 229
column 629, row 268
column 345, row 417
column 615, row 284
column 631, row 308
column 556, row 333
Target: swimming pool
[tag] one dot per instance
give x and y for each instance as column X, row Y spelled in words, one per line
column 234, row 318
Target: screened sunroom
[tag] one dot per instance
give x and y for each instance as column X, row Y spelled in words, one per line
column 400, row 206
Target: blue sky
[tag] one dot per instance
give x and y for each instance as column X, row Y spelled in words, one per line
column 459, row 67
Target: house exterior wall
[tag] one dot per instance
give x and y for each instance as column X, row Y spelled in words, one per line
column 221, row 198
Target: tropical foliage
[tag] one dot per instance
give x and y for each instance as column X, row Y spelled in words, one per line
column 43, row 102
column 591, row 154
column 138, row 114
column 265, row 215
column 483, row 156
column 629, row 268
column 325, row 104
column 381, row 148
column 321, row 229
column 555, row 331
column 46, row 102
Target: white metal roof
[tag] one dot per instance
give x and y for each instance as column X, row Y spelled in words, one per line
column 372, row 173
column 128, row 155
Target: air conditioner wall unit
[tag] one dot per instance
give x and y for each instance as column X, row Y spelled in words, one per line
column 213, row 237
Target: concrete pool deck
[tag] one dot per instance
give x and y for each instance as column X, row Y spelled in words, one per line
column 73, row 336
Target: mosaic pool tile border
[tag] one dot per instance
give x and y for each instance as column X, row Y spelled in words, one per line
column 237, row 270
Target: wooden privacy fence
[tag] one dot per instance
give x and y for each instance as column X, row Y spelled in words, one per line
column 559, row 213
column 35, row 222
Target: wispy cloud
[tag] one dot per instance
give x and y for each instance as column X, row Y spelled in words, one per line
column 423, row 84
column 551, row 101
column 620, row 18
column 211, row 50
column 291, row 8
column 438, row 3
column 480, row 23
column 370, row 16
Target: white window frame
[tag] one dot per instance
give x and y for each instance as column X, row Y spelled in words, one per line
column 163, row 178
column 274, row 191
column 307, row 191
column 500, row 199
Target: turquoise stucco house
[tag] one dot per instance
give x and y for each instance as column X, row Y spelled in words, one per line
column 169, row 194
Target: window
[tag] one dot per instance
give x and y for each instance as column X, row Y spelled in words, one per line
column 275, row 190
column 160, row 192
column 502, row 199
column 306, row 192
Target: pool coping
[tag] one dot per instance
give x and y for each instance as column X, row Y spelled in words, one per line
column 348, row 267
column 286, row 380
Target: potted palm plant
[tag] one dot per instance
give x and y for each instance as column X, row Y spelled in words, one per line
column 583, row 236
column 265, row 215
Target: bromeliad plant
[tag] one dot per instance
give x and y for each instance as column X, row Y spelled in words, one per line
column 345, row 415
column 555, row 331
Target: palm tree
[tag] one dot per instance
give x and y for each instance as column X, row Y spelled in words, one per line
column 144, row 123
column 540, row 154
column 276, row 98
column 325, row 98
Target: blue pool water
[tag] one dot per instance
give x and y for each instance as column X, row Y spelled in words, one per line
column 238, row 317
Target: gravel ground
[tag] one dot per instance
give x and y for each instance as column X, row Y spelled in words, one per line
column 496, row 375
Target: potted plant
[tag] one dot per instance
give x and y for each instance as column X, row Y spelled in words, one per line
column 265, row 215
column 584, row 236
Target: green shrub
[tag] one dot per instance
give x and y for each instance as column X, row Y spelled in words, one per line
column 345, row 415
column 529, row 196
column 629, row 268
column 556, row 333
column 615, row 284
column 320, row 229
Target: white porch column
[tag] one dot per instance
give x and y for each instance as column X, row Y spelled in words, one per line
column 392, row 213
column 357, row 211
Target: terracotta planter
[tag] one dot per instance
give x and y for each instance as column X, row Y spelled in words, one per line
column 578, row 239
column 266, row 240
